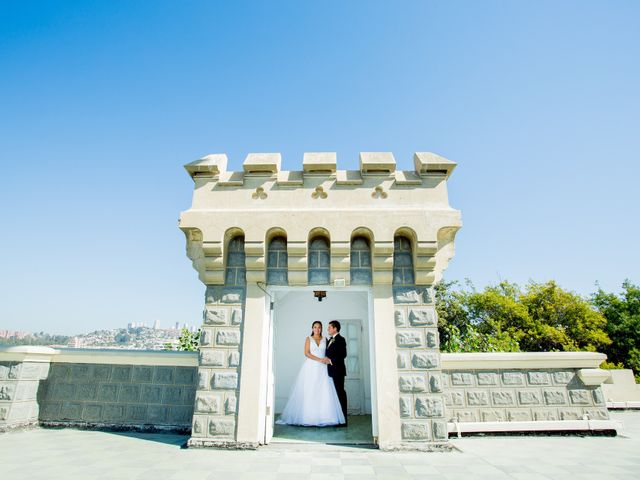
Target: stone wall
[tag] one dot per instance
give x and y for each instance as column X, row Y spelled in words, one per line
column 18, row 388
column 524, row 387
column 118, row 396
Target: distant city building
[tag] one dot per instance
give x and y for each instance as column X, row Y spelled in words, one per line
column 75, row 342
column 156, row 325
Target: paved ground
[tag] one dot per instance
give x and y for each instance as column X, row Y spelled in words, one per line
column 72, row 454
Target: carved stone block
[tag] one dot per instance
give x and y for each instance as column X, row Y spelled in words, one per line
column 218, row 427
column 554, row 397
column 399, row 318
column 440, row 430
column 225, row 380
column 529, row 397
column 545, row 415
column 212, row 357
column 429, row 407
column 422, row 317
column 518, row 415
column 435, row 383
column 487, row 378
column 215, row 316
column 493, row 415
column 454, row 399
column 415, row 431
column 465, row 415
column 198, row 425
column 598, row 396
column 206, row 337
column 477, row 398
column 579, row 397
column 461, row 379
column 228, row 337
column 562, row 378
column 539, row 378
column 409, row 338
column 570, row 414
column 412, row 383
column 432, row 339
column 7, row 391
column 234, row 358
column 208, row 403
column 402, row 360
column 503, row 398
column 424, row 360
column 513, row 378
column 203, row 380
column 230, row 405
column 597, row 413
column 405, row 407
column 236, row 316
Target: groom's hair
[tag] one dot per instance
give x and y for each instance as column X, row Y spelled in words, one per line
column 335, row 324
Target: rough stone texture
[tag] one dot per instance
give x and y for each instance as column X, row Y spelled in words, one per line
column 409, row 338
column 422, row 403
column 228, row 337
column 121, row 396
column 19, row 382
column 215, row 316
column 420, row 360
column 217, row 389
column 415, row 431
column 422, row 317
column 510, row 395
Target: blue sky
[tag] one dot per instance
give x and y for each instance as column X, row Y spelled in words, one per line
column 101, row 103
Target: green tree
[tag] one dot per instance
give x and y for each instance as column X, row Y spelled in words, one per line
column 187, row 341
column 561, row 320
column 503, row 317
column 465, row 321
column 623, row 324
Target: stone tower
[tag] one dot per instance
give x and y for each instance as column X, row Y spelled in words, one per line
column 387, row 231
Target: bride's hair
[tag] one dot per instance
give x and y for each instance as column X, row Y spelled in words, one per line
column 314, row 324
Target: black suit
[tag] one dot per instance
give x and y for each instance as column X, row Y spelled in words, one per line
column 337, row 351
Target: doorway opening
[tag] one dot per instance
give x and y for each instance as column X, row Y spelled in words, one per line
column 294, row 310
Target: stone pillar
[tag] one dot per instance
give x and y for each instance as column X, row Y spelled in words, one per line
column 215, row 410
column 21, row 369
column 419, row 368
column 422, row 406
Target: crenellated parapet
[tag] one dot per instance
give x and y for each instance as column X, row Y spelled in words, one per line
column 377, row 201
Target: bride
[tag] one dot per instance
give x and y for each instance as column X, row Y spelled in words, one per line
column 313, row 400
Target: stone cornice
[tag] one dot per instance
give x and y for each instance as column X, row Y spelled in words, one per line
column 521, row 360
column 100, row 356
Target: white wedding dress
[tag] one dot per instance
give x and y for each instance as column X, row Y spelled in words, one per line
column 313, row 400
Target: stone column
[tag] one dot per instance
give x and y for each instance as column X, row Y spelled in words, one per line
column 215, row 412
column 21, row 369
column 419, row 368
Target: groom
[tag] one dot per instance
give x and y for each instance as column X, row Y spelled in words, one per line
column 336, row 352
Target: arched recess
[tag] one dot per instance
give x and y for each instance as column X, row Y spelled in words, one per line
column 404, row 242
column 277, row 257
column 235, row 273
column 319, row 257
column 360, row 257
